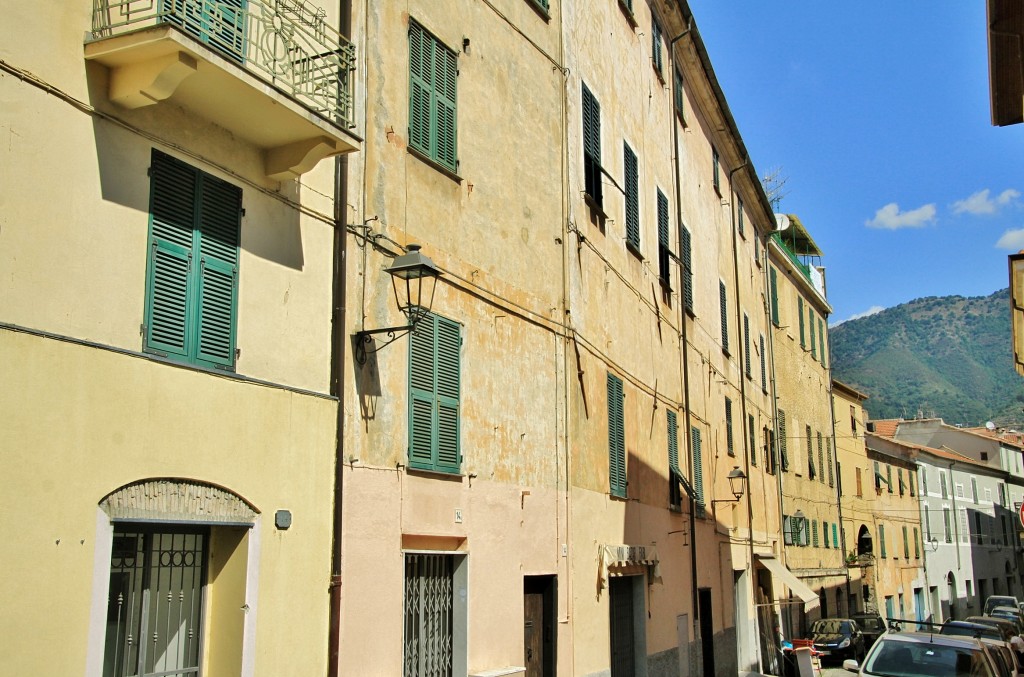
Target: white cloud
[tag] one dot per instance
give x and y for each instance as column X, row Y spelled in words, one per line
column 1012, row 240
column 980, row 203
column 873, row 310
column 891, row 218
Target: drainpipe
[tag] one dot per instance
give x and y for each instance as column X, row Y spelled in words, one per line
column 743, row 354
column 337, row 384
column 694, row 607
column 839, row 478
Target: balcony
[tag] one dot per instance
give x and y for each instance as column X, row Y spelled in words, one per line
column 272, row 72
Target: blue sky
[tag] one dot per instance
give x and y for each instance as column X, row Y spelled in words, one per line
column 877, row 115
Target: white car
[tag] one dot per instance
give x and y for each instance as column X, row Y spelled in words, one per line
column 926, row 654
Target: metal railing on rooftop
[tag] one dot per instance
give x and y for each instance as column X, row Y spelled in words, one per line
column 287, row 43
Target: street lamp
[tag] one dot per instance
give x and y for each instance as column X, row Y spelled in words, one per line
column 411, row 274
column 737, row 485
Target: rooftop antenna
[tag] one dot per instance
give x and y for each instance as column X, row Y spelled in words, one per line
column 774, row 184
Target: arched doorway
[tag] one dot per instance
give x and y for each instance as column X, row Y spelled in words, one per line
column 951, row 596
column 864, row 542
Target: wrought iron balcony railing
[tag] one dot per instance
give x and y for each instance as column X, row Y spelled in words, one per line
column 287, row 43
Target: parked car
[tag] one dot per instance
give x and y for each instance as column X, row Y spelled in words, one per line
column 871, row 625
column 837, row 638
column 1005, row 625
column 993, row 637
column 992, row 601
column 925, row 654
column 1011, row 613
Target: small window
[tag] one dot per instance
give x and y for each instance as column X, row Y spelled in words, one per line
column 698, row 470
column 783, row 447
column 746, row 344
column 764, row 365
column 656, row 58
column 752, row 433
column 542, row 5
column 810, row 321
column 774, row 292
column 687, row 260
column 664, row 257
column 811, row 471
column 800, row 314
column 680, row 97
column 433, row 73
column 739, row 216
column 616, row 437
column 675, row 474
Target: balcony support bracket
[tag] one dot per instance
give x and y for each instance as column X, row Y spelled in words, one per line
column 145, row 83
column 294, row 159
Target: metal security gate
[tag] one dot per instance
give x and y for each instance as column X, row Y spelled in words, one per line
column 428, row 615
column 620, row 602
column 155, row 602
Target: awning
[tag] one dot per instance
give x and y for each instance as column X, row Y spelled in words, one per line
column 788, row 578
column 618, row 557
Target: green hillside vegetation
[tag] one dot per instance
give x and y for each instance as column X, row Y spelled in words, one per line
column 947, row 357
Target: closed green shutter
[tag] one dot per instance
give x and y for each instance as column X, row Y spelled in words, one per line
column 192, row 277
column 810, row 454
column 906, row 544
column 433, row 77
column 835, row 536
column 674, row 471
column 821, row 341
column 828, row 457
column 917, row 544
column 616, row 437
column 814, row 533
column 881, row 539
column 723, row 306
column 739, row 216
column 824, row 533
column 698, row 470
column 814, row 346
column 656, row 46
column 680, row 97
column 821, row 460
column 800, row 313
column 752, row 452
column 435, row 395
column 774, row 291
column 664, row 269
column 632, row 194
column 764, row 366
column 687, row 269
column 746, row 343
column 728, row 428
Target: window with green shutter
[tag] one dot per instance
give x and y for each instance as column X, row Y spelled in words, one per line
column 729, row 447
column 814, row 533
column 906, row 544
column 723, row 306
column 698, row 470
column 631, row 179
column 739, row 217
column 835, row 535
column 675, row 473
column 881, row 539
column 664, row 258
column 192, row 267
column 435, row 348
column 810, row 320
column 821, row 460
column 656, row 58
column 824, row 533
column 828, row 458
column 746, row 344
column 433, row 73
column 821, row 342
column 917, row 544
column 774, row 292
column 810, row 453
column 542, row 4
column 752, row 433
column 687, row 258
column 800, row 313
column 680, row 97
column 764, row 366
column 783, row 442
column 616, row 437
column 716, row 176
column 592, row 147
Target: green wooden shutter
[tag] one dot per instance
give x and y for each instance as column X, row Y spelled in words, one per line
column 728, row 428
column 664, row 268
column 828, row 457
column 739, row 215
column 800, row 313
column 821, row 341
column 220, row 214
column 824, row 533
column 616, row 437
column 746, row 343
column 687, row 269
column 917, row 544
column 835, row 535
column 592, row 146
column 632, row 194
column 814, row 346
column 656, row 46
column 446, row 72
column 723, row 301
column 881, row 539
column 680, row 96
column 814, row 532
column 783, row 441
column 764, row 367
column 752, row 433
column 810, row 453
column 173, row 213
column 673, row 443
column 773, row 281
column 906, row 544
column 449, row 344
column 422, row 408
column 420, row 86
column 698, row 470
column 821, row 460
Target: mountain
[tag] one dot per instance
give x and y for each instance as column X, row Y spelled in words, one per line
column 947, row 357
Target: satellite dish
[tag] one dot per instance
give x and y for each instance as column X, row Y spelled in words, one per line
column 781, row 222
column 990, row 425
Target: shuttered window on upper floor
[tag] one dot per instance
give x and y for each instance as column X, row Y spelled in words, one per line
column 698, row 470
column 664, row 257
column 192, row 268
column 687, row 259
column 773, row 290
column 723, row 305
column 592, row 147
column 631, row 180
column 675, row 473
column 729, row 440
column 433, row 76
column 616, row 437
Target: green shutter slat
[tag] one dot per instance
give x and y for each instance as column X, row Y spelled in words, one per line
column 679, row 96
column 772, row 278
column 632, row 194
column 419, row 90
column 167, row 300
column 616, row 437
column 881, row 538
column 421, row 427
column 835, row 536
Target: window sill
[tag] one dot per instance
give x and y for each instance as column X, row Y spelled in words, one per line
column 542, row 12
column 634, row 250
column 436, row 474
column 435, row 164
